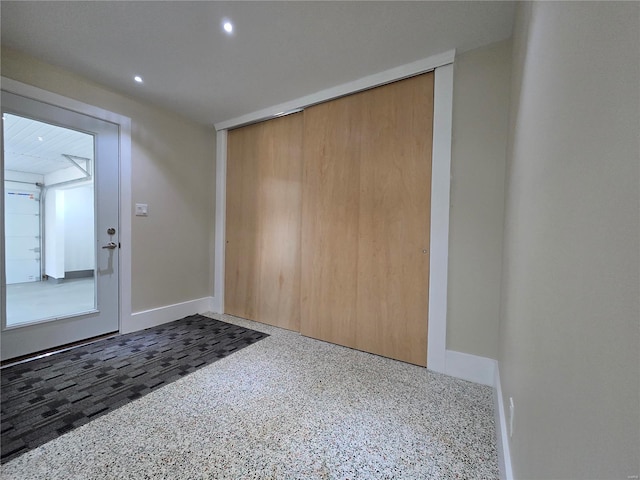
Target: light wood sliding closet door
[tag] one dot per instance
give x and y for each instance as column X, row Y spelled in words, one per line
column 262, row 256
column 330, row 220
column 366, row 216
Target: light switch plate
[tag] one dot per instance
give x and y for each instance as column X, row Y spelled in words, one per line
column 141, row 209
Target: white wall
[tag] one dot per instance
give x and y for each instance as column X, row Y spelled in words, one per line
column 54, row 234
column 570, row 327
column 79, row 247
column 479, row 147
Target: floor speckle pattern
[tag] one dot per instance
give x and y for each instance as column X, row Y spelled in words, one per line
column 287, row 407
column 49, row 396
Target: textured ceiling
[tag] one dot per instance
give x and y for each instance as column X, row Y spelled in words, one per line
column 278, row 51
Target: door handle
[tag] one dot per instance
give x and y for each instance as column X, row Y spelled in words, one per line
column 110, row 245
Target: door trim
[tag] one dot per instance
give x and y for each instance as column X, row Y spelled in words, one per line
column 376, row 80
column 35, row 93
column 440, row 195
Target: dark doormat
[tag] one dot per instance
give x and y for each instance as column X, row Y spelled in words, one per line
column 46, row 397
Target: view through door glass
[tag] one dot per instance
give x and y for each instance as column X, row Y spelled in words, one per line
column 49, row 221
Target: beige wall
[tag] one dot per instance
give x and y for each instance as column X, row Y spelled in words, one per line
column 480, row 126
column 570, row 327
column 173, row 170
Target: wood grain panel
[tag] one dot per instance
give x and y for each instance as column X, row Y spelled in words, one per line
column 264, row 174
column 393, row 228
column 242, row 227
column 330, row 220
column 366, row 214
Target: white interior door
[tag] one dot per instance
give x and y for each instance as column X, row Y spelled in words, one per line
column 60, row 228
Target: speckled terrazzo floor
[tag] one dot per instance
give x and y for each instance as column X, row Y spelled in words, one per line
column 287, row 407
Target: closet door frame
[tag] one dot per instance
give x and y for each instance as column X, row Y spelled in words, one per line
column 442, row 66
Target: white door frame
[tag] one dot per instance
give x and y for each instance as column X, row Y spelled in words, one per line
column 29, row 91
column 442, row 65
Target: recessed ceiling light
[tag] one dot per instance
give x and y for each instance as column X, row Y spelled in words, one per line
column 40, row 139
column 138, row 78
column 228, row 27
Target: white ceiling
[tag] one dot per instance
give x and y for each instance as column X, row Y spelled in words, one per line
column 278, row 51
column 36, row 147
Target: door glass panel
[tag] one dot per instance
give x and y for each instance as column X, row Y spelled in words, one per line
column 49, row 212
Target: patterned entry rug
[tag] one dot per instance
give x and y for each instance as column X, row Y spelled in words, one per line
column 46, row 397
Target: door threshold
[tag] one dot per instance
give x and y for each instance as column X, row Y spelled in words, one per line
column 52, row 351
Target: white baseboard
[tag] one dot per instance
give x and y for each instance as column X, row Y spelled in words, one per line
column 457, row 364
column 486, row 372
column 168, row 313
column 470, row 367
column 216, row 304
column 502, row 435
